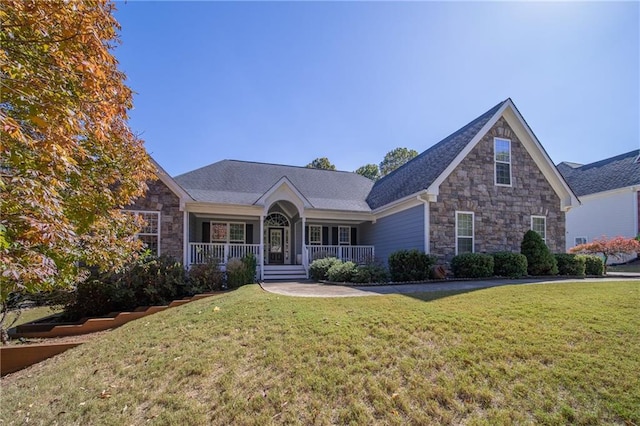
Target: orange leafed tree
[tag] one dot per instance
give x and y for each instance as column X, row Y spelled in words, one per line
column 68, row 160
column 613, row 247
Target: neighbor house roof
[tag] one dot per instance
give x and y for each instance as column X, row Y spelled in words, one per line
column 423, row 170
column 612, row 173
column 244, row 182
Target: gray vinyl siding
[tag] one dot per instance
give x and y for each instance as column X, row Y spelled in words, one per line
column 403, row 230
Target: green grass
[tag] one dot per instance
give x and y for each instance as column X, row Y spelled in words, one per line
column 31, row 314
column 546, row 354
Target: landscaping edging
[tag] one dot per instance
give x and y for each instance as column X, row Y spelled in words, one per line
column 17, row 357
column 453, row 280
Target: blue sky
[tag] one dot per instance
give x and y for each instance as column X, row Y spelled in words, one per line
column 286, row 82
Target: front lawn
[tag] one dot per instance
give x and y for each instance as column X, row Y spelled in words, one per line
column 553, row 354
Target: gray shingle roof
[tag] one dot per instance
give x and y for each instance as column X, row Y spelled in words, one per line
column 605, row 175
column 421, row 171
column 243, row 182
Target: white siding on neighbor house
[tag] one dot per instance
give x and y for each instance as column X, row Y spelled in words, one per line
column 608, row 214
column 402, row 230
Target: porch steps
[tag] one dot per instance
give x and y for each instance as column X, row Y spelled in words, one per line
column 284, row 273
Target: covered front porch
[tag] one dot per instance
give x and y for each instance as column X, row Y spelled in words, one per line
column 281, row 229
column 279, row 239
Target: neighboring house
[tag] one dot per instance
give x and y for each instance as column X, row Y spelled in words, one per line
column 610, row 194
column 478, row 190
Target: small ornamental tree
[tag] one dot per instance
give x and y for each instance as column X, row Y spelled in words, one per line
column 615, row 247
column 540, row 261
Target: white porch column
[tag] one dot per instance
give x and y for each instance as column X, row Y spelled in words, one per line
column 304, row 247
column 186, row 256
column 427, row 243
column 261, row 248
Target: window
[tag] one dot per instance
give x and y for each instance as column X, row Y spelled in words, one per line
column 150, row 232
column 236, row 232
column 539, row 224
column 315, row 235
column 464, row 232
column 502, row 149
column 218, row 232
column 581, row 240
column 344, row 235
column 227, row 232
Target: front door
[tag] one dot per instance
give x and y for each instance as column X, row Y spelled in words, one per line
column 276, row 249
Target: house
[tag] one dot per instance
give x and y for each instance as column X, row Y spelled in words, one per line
column 610, row 194
column 478, row 190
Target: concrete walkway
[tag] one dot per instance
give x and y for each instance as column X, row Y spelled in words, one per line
column 314, row 289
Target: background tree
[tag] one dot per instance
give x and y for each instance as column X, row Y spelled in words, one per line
column 321, row 163
column 68, row 160
column 370, row 171
column 614, row 247
column 395, row 159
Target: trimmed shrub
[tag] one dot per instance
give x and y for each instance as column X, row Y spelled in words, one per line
column 511, row 265
column 570, row 264
column 372, row 273
column 540, row 261
column 593, row 265
column 472, row 265
column 410, row 265
column 92, row 298
column 149, row 281
column 241, row 271
column 319, row 269
column 152, row 281
column 342, row 272
column 205, row 277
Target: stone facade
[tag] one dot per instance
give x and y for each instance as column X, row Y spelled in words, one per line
column 502, row 213
column 160, row 198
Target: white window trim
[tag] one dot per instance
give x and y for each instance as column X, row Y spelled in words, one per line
column 227, row 239
column 544, row 238
column 244, row 233
column 341, row 243
column 582, row 238
column 315, row 242
column 473, row 230
column 149, row 234
column 495, row 163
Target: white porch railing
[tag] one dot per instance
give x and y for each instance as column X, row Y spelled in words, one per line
column 202, row 252
column 356, row 254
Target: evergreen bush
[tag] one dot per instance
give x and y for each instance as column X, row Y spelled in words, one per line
column 593, row 265
column 570, row 264
column 205, row 277
column 540, row 261
column 371, row 273
column 511, row 265
column 149, row 281
column 472, row 265
column 342, row 272
column 319, row 269
column 241, row 271
column 410, row 265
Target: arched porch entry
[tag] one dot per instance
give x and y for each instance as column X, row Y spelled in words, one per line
column 279, row 234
